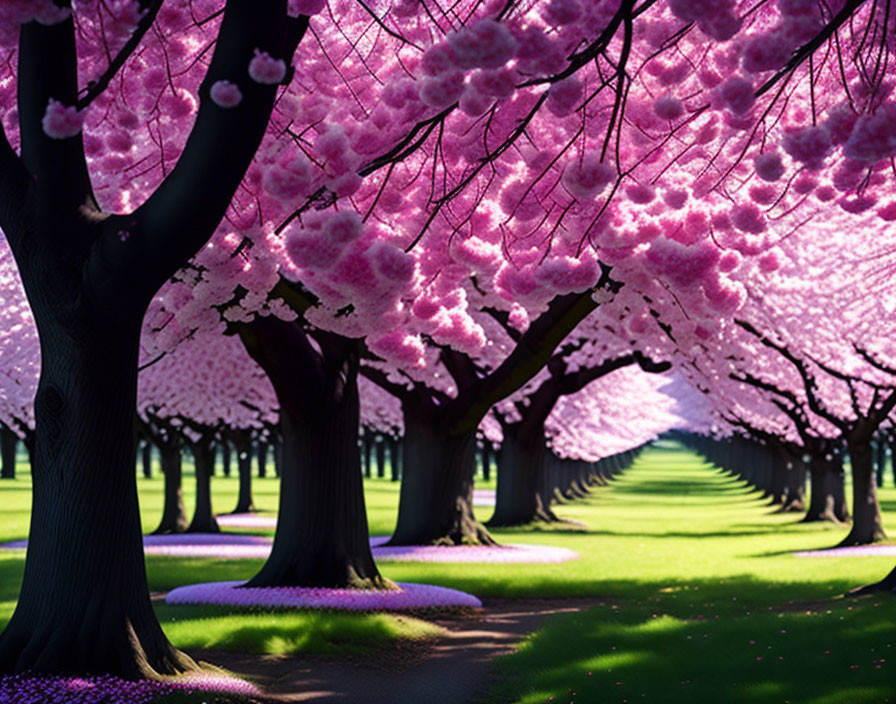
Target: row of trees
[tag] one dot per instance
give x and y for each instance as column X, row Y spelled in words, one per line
column 459, row 205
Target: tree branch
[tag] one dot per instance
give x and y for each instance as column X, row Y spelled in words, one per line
column 461, row 368
column 96, row 88
column 183, row 212
column 576, row 381
column 502, row 317
column 13, row 190
column 808, row 381
column 48, row 69
column 531, row 353
column 381, row 379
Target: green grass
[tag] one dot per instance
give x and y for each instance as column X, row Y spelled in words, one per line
column 701, row 601
column 686, row 567
column 289, row 632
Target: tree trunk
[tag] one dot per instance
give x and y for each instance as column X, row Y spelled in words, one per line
column 146, row 458
column 521, row 461
column 436, row 500
column 880, row 460
column 795, row 487
column 8, row 443
column 84, row 604
column 487, row 452
column 827, row 498
column 867, row 526
column 262, row 455
column 395, row 458
column 204, row 460
column 380, row 457
column 278, row 455
column 367, row 449
column 174, row 516
column 243, row 446
column 887, row 584
column 226, row 456
column 322, row 539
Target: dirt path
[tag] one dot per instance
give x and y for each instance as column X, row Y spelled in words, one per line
column 454, row 670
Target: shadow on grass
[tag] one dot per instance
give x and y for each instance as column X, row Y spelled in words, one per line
column 284, row 632
column 696, row 534
column 735, row 640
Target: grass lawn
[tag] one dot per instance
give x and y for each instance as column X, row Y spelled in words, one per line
column 697, row 595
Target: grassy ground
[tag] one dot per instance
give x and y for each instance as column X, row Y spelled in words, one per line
column 698, row 598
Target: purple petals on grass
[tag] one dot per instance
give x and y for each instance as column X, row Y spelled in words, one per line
column 26, row 689
column 407, row 596
column 470, row 553
column 232, row 546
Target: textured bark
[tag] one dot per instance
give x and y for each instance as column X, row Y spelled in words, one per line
column 81, row 608
column 8, row 443
column 204, row 461
column 174, row 515
column 322, row 538
column 84, row 605
column 521, row 462
column 436, row 499
column 867, row 526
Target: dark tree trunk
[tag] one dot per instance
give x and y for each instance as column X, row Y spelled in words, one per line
column 880, row 460
column 887, row 584
column 395, row 458
column 521, row 462
column 380, row 457
column 827, row 498
column 204, row 461
column 243, row 446
column 226, row 457
column 867, row 526
column 436, row 499
column 322, row 538
column 550, row 482
column 795, row 487
column 174, row 516
column 367, row 449
column 146, row 458
column 262, row 455
column 278, row 455
column 8, row 443
column 84, row 606
column 487, row 461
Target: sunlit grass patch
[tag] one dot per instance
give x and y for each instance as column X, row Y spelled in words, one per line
column 287, row 633
column 708, row 603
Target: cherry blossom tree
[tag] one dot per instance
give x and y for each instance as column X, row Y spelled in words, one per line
column 91, row 258
column 535, row 143
column 207, row 386
column 521, row 458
